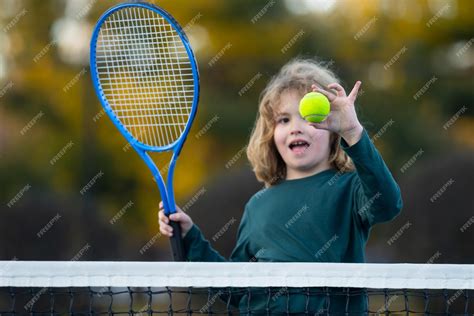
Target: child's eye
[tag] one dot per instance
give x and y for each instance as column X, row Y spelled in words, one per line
column 283, row 120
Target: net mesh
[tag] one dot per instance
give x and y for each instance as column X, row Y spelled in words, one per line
column 145, row 74
column 145, row 288
column 212, row 301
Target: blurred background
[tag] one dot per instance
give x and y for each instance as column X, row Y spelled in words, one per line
column 71, row 188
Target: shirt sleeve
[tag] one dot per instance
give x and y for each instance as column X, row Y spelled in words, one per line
column 377, row 195
column 242, row 252
column 197, row 248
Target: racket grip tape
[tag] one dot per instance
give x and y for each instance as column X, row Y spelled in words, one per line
column 177, row 245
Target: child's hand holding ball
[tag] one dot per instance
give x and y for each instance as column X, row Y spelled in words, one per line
column 334, row 112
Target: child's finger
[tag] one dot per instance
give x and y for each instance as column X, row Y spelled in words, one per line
column 164, row 226
column 355, row 90
column 314, row 87
column 328, row 94
column 162, row 231
column 165, row 232
column 163, row 221
column 161, row 204
column 340, row 90
column 162, row 217
column 176, row 217
column 323, row 125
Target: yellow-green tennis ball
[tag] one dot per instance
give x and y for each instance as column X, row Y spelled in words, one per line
column 314, row 107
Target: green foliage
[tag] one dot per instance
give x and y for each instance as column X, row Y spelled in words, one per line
column 256, row 49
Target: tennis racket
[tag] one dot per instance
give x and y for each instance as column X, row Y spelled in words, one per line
column 146, row 78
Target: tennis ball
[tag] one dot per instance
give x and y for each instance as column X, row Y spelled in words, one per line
column 314, row 107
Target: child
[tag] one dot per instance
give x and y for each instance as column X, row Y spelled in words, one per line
column 326, row 185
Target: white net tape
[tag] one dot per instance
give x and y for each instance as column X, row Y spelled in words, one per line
column 236, row 274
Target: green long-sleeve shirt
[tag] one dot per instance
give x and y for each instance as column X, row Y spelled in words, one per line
column 325, row 217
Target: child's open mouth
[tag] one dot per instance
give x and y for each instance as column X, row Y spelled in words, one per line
column 298, row 146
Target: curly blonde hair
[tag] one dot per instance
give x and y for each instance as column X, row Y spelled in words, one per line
column 297, row 75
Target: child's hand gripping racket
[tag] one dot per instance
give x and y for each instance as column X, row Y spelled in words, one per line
column 146, row 78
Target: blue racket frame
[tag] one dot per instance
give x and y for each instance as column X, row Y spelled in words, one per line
column 166, row 190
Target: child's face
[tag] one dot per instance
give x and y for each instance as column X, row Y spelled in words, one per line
column 304, row 149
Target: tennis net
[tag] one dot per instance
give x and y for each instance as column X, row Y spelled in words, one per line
column 186, row 288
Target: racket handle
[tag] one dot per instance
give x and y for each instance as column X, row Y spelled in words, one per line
column 177, row 245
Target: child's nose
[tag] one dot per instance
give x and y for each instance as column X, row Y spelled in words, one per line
column 297, row 125
column 296, row 129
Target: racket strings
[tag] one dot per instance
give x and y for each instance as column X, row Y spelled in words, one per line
column 174, row 94
column 144, row 120
column 146, row 75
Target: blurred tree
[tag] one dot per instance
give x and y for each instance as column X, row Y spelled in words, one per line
column 415, row 60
